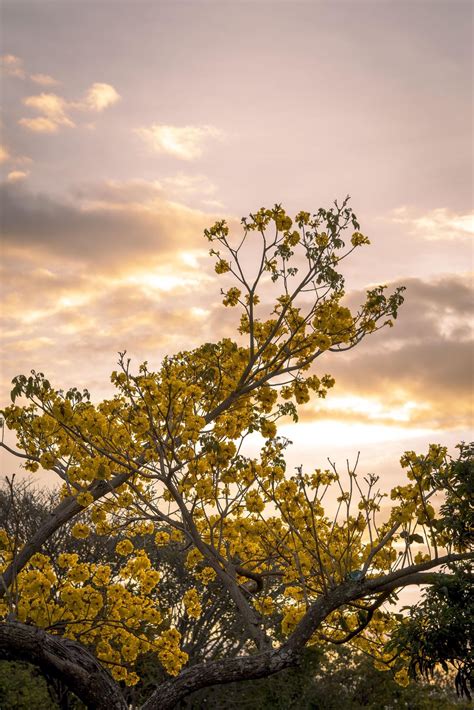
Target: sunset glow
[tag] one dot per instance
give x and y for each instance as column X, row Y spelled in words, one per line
column 118, row 151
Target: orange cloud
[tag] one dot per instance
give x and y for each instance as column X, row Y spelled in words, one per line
column 42, row 124
column 16, row 175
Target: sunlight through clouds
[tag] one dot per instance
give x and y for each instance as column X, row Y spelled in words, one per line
column 183, row 142
column 370, row 408
column 162, row 280
column 350, row 433
column 440, row 223
column 104, row 239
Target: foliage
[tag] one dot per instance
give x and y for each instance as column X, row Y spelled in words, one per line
column 23, row 687
column 167, row 464
column 439, row 631
column 457, row 511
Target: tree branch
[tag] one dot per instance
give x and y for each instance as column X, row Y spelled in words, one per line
column 203, row 675
column 64, row 659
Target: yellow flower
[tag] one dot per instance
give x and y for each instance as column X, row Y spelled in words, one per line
column 357, row 239
column 265, row 605
column 85, row 499
column 80, row 531
column 402, row 678
column 268, row 429
column 124, row 547
column 192, row 603
column 162, row 538
column 232, row 297
column 222, row 266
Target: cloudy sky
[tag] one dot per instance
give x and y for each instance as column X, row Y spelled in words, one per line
column 130, row 125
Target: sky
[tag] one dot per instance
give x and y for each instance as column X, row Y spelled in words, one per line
column 127, row 127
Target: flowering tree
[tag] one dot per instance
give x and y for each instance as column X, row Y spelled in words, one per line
column 167, row 459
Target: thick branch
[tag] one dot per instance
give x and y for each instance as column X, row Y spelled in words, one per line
column 203, row 675
column 418, row 578
column 260, row 665
column 64, row 659
column 265, row 664
column 398, row 577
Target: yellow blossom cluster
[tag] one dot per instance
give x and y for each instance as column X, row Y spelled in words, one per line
column 110, row 610
column 192, row 603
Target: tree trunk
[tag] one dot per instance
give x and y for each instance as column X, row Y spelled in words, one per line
column 67, row 660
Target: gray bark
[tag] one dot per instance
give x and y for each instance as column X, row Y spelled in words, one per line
column 67, row 660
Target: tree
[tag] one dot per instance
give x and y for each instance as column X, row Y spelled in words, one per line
column 325, row 677
column 168, row 456
column 439, row 630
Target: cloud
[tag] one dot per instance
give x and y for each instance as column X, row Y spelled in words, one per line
column 183, row 142
column 39, row 125
column 55, row 110
column 190, row 184
column 14, row 160
column 49, row 104
column 418, row 373
column 120, row 265
column 91, row 314
column 104, row 226
column 52, row 107
column 16, row 175
column 100, row 96
column 116, row 265
column 4, row 154
column 44, row 79
column 13, row 66
column 439, row 224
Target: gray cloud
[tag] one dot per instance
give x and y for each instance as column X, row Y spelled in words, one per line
column 426, row 357
column 103, row 231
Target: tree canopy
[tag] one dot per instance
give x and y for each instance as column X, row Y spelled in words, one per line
column 167, row 464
